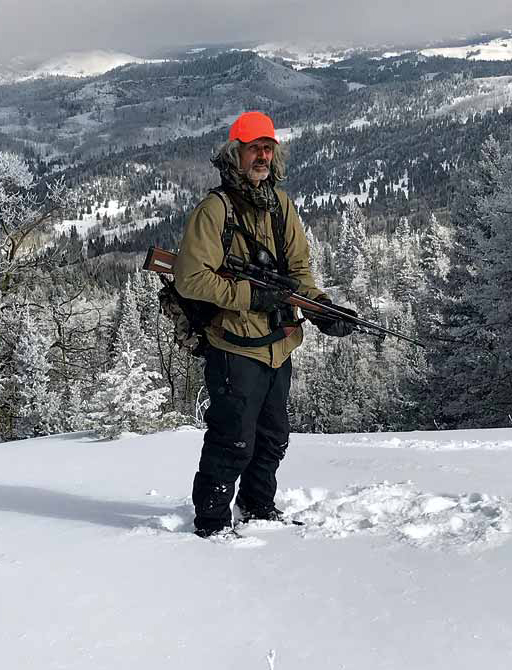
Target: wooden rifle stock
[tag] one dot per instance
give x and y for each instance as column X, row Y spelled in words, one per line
column 162, row 261
column 159, row 260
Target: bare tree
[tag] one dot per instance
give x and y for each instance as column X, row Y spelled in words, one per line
column 25, row 207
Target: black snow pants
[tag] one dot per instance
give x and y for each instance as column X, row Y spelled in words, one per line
column 247, row 436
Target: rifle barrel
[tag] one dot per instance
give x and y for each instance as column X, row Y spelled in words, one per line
column 308, row 303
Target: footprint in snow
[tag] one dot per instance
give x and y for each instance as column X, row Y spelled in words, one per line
column 401, row 511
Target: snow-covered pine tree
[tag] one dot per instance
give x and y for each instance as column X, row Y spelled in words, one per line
column 432, row 269
column 351, row 385
column 474, row 366
column 352, row 253
column 432, row 258
column 433, row 255
column 315, row 258
column 306, row 398
column 491, row 296
column 405, row 281
column 128, row 332
column 403, row 234
column 340, row 248
column 406, row 380
column 31, row 407
column 72, row 407
column 128, row 398
column 145, row 288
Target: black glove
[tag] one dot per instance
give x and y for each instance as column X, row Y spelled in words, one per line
column 334, row 328
column 267, row 300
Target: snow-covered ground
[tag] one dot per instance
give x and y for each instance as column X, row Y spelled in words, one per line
column 403, row 563
column 497, row 49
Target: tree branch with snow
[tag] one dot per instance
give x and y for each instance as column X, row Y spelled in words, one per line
column 25, row 207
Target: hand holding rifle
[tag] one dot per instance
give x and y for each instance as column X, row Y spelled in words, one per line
column 339, row 327
column 267, row 299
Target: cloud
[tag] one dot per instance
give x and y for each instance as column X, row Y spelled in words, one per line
column 54, row 26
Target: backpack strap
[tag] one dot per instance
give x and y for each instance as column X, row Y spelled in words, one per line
column 278, row 230
column 229, row 219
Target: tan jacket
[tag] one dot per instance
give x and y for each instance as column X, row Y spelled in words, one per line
column 201, row 255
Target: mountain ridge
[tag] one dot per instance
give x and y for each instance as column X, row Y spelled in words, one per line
column 297, row 55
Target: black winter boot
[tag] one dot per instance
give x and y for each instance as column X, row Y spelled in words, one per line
column 251, row 513
column 224, row 534
column 212, row 502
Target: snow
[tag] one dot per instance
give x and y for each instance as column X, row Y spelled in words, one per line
column 403, row 561
column 91, row 225
column 84, row 64
column 486, row 93
column 430, row 76
column 390, row 54
column 497, row 49
column 359, row 123
column 347, row 198
column 165, row 196
column 89, row 221
column 355, row 86
column 289, row 134
column 323, row 198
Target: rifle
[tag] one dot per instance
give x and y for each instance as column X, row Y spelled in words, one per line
column 162, row 261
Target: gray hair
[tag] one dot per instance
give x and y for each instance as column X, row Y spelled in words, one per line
column 229, row 153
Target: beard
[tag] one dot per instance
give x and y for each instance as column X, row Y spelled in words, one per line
column 258, row 171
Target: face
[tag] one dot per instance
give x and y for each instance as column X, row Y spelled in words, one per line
column 255, row 159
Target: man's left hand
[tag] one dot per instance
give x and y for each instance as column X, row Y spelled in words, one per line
column 334, row 328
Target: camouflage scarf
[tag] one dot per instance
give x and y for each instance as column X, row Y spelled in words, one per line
column 261, row 197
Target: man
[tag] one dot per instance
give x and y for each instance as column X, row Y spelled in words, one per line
column 248, row 377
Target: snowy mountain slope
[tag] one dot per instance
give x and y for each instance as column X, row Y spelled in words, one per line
column 13, row 71
column 84, row 64
column 296, row 55
column 485, row 94
column 149, row 104
column 92, row 224
column 404, row 560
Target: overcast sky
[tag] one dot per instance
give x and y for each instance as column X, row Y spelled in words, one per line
column 50, row 27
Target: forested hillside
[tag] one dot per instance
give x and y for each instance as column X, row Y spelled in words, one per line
column 399, row 168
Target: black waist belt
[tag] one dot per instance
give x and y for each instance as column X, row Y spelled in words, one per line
column 279, row 334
